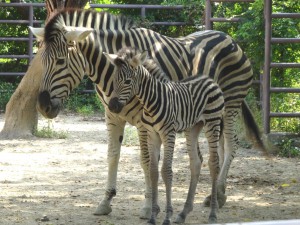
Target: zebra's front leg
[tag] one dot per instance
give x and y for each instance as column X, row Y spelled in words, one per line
column 154, row 144
column 195, row 167
column 145, row 212
column 115, row 128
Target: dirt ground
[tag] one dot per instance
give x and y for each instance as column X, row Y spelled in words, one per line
column 61, row 181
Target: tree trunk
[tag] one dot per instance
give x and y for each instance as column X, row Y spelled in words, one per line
column 21, row 116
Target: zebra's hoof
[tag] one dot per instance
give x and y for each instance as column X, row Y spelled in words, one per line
column 212, row 219
column 221, row 201
column 180, row 218
column 103, row 209
column 167, row 222
column 145, row 213
column 151, row 222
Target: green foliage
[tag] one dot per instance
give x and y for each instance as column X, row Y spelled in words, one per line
column 86, row 110
column 6, row 90
column 288, row 149
column 84, row 103
column 249, row 33
column 192, row 15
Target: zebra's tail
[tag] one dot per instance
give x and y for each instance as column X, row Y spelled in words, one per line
column 252, row 130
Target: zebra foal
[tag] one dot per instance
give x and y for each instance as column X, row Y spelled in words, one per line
column 170, row 107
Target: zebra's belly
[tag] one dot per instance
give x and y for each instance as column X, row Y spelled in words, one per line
column 183, row 125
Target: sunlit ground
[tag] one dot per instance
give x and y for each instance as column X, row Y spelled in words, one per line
column 64, row 180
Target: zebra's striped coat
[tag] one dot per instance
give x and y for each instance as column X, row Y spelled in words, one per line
column 170, row 107
column 73, row 44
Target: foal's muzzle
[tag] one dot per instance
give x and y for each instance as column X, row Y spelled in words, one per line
column 115, row 106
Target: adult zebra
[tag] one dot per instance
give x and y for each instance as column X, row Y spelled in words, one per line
column 74, row 41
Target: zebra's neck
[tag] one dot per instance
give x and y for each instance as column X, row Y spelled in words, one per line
column 149, row 90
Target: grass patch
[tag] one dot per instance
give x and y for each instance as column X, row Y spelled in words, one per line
column 131, row 137
column 48, row 132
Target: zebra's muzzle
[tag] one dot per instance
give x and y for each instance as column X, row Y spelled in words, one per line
column 115, row 106
column 48, row 107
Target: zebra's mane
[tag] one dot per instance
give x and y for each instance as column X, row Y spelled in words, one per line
column 127, row 53
column 105, row 20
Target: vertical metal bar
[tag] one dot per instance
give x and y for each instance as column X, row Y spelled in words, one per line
column 30, row 41
column 208, row 23
column 143, row 12
column 266, row 78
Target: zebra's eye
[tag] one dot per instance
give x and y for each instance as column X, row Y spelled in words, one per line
column 128, row 81
column 60, row 61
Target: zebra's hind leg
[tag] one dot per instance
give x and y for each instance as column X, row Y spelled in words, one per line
column 145, row 212
column 195, row 167
column 213, row 132
column 229, row 145
column 115, row 129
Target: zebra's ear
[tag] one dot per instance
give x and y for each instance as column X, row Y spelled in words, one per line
column 112, row 58
column 77, row 33
column 38, row 32
column 139, row 59
column 143, row 56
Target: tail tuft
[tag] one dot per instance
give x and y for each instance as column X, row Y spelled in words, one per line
column 252, row 130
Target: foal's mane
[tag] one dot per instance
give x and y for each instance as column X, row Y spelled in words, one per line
column 127, row 53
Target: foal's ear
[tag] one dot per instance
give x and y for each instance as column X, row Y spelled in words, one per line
column 139, row 59
column 114, row 59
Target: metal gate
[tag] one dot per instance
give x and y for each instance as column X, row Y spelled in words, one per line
column 268, row 65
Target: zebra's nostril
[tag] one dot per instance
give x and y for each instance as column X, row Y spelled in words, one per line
column 44, row 99
column 48, row 109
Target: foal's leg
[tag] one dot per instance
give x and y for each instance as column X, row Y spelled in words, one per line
column 154, row 143
column 195, row 166
column 167, row 173
column 144, row 158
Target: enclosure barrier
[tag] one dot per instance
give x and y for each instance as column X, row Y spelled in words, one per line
column 266, row 84
column 267, row 89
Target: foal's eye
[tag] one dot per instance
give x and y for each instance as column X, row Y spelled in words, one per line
column 60, row 61
column 128, row 81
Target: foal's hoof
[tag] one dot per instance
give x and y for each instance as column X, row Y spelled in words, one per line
column 151, row 222
column 221, row 200
column 167, row 222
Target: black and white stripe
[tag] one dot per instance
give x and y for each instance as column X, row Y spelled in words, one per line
column 74, row 41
